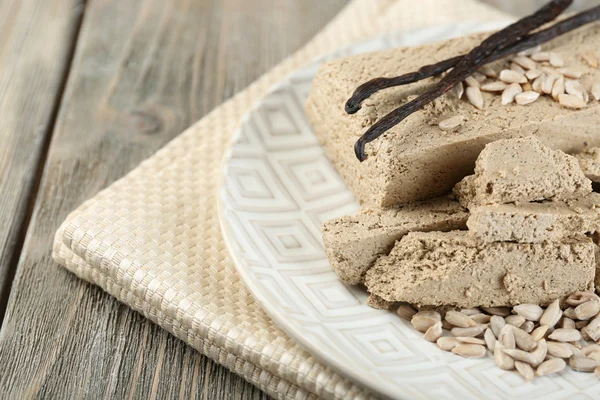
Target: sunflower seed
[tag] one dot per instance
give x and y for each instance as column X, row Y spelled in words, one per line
column 496, row 324
column 488, row 71
column 532, row 74
column 507, row 337
column 583, row 364
column 581, row 324
column 570, row 73
column 525, row 62
column 540, row 352
column 509, row 94
column 567, row 323
column 548, row 82
column 540, row 56
column 565, row 335
column 459, row 319
column 585, row 336
column 520, row 355
column 593, row 329
column 523, row 340
column 490, row 339
column 469, row 350
column 515, row 320
column 458, row 90
column 511, row 76
column 537, row 84
column 561, row 350
column 481, row 318
column 587, row 310
column 517, row 68
column 471, row 311
column 539, row 332
column 479, row 76
column 434, row 332
column 586, row 350
column 597, row 371
column 578, row 298
column 525, row 370
column 496, row 86
column 451, row 124
column 471, row 81
column 590, row 59
column 501, row 311
column 447, row 343
column 552, row 314
column 424, row 320
column 503, row 360
column 447, row 325
column 575, row 88
column 471, row 331
column 526, row 97
column 528, row 326
column 566, row 100
column 470, row 340
column 556, row 60
column 596, row 91
column 576, row 350
column 558, row 88
column 551, row 367
column 594, row 355
column 406, row 311
column 475, row 97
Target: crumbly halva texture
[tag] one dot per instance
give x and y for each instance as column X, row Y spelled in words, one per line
column 455, row 268
column 589, row 160
column 522, row 170
column 415, row 160
column 536, row 222
column 353, row 243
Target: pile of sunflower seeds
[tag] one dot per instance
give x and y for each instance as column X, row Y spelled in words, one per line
column 527, row 338
column 531, row 74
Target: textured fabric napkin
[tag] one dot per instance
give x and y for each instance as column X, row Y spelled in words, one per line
column 152, row 239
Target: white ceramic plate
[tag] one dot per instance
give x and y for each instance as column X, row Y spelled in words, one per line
column 278, row 188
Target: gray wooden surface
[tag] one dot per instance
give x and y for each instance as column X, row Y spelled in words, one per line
column 88, row 89
column 142, row 72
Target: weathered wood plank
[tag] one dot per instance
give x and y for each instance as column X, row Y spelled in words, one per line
column 143, row 71
column 32, row 73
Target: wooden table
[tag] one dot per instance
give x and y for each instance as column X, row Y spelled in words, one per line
column 88, row 89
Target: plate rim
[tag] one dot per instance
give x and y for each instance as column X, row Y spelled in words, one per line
column 329, row 360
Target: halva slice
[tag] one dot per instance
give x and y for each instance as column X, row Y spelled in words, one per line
column 522, row 170
column 457, row 269
column 536, row 222
column 354, row 242
column 589, row 161
column 416, row 160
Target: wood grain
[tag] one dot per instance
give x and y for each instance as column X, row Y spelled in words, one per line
column 32, row 73
column 143, row 71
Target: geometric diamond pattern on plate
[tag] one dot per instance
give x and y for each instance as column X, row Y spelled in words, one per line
column 247, row 144
column 310, row 175
column 271, row 282
column 329, row 296
column 253, row 186
column 511, row 384
column 383, row 345
column 281, row 124
column 287, row 241
column 581, row 380
column 278, row 189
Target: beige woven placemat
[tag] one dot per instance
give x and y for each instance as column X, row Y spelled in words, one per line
column 152, row 239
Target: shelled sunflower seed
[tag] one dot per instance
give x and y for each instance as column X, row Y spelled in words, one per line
column 534, row 340
column 528, row 76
